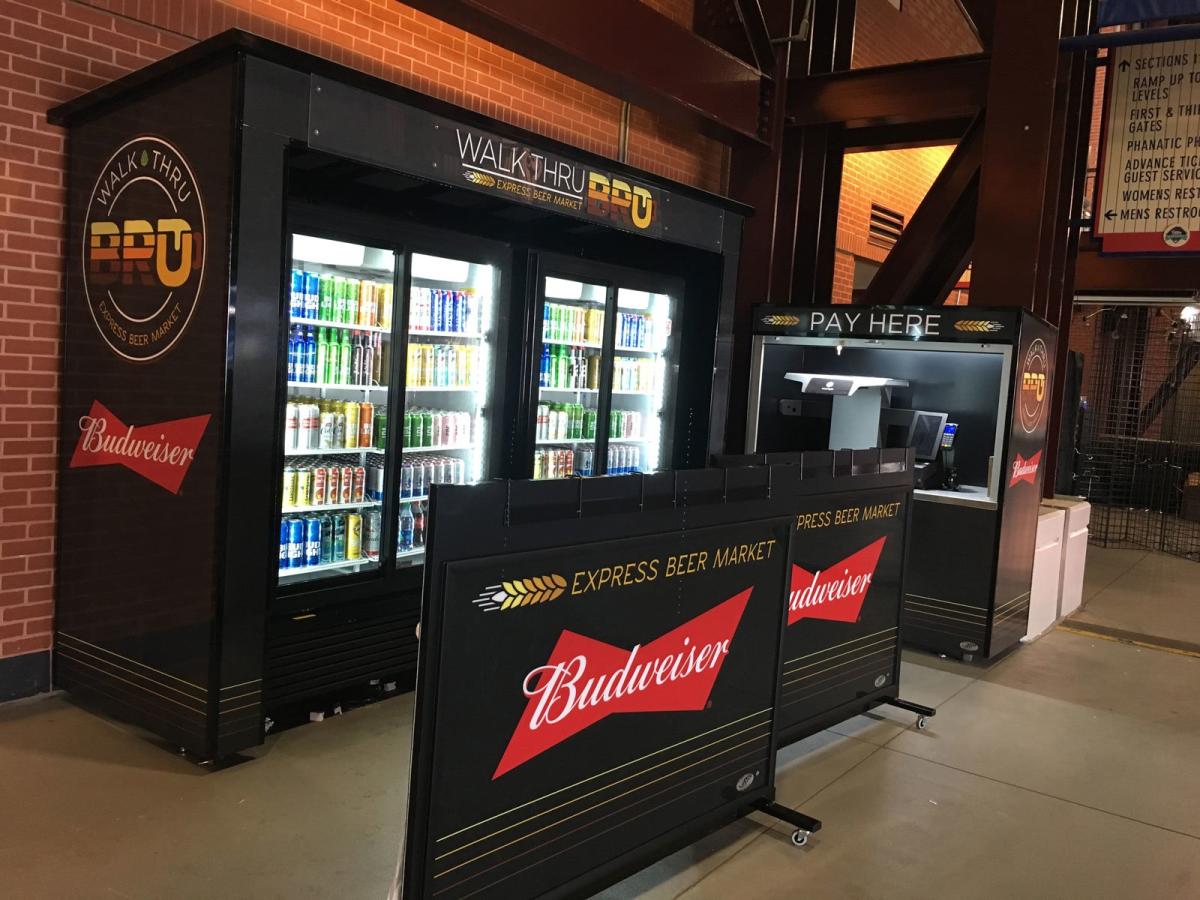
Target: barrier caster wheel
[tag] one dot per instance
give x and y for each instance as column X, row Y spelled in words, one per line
column 921, row 723
column 800, row 837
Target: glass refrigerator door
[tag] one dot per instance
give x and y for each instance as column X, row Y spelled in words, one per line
column 642, row 384
column 451, row 344
column 567, row 411
column 339, row 344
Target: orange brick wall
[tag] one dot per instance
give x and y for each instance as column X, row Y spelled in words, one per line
column 921, row 29
column 896, row 179
column 52, row 50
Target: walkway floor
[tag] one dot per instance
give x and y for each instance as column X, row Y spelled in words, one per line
column 1142, row 593
column 1068, row 769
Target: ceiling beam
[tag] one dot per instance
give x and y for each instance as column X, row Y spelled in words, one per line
column 754, row 23
column 625, row 49
column 939, row 89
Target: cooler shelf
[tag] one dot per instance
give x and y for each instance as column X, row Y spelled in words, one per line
column 410, row 554
column 337, row 451
column 437, row 389
column 572, row 441
column 332, row 507
column 322, row 386
column 583, row 344
column 349, row 564
column 439, row 449
column 322, row 323
column 558, row 390
column 466, row 335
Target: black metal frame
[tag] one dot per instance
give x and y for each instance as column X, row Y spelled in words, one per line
column 366, row 632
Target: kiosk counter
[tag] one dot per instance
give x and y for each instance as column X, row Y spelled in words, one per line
column 968, row 390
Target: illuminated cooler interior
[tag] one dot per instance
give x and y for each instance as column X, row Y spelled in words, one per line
column 567, row 426
column 448, row 371
column 347, row 522
column 648, row 395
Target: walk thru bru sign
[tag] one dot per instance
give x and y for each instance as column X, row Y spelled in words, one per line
column 1149, row 191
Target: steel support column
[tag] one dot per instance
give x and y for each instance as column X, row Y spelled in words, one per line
column 793, row 186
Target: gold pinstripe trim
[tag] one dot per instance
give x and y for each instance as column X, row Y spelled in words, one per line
column 112, row 665
column 885, row 641
column 62, row 634
column 912, row 610
column 764, row 736
column 1016, row 599
column 140, row 687
column 631, row 762
column 940, row 600
column 720, row 753
column 846, row 662
column 866, row 637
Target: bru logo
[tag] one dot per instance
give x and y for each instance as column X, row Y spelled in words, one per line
column 618, row 200
column 143, row 249
column 1033, row 386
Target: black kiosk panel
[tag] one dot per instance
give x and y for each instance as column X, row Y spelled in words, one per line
column 985, row 371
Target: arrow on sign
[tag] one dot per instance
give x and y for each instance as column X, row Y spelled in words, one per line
column 1110, row 215
column 1124, row 65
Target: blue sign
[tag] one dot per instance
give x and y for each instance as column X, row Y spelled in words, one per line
column 1118, row 12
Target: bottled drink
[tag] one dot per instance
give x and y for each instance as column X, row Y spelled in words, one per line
column 405, row 539
column 368, row 360
column 377, row 358
column 356, row 359
column 322, row 355
column 345, row 358
column 418, row 533
column 371, row 538
column 293, row 361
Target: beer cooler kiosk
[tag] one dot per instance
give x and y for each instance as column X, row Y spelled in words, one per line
column 298, row 297
column 968, row 389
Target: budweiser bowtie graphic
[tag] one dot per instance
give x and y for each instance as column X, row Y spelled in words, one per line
column 163, row 453
column 835, row 593
column 586, row 680
column 1025, row 469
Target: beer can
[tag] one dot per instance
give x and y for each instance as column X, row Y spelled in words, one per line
column 383, row 297
column 419, row 486
column 312, row 423
column 445, row 471
column 295, row 543
column 460, row 311
column 366, row 303
column 326, row 539
column 375, row 483
column 380, row 428
column 289, row 487
column 346, row 485
column 291, row 426
column 539, row 464
column 283, row 543
column 312, row 541
column 296, row 302
column 325, row 297
column 339, row 538
column 406, row 479
column 303, row 487
column 312, row 293
column 359, row 485
column 371, row 536
column 366, row 425
column 320, row 485
column 426, row 429
column 352, row 288
column 431, row 470
column 351, row 410
column 333, row 492
column 328, row 429
column 460, row 472
column 353, row 536
column 339, row 430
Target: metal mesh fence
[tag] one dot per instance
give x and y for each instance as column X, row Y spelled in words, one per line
column 1139, row 437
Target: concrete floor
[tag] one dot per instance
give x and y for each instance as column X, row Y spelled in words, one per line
column 1143, row 593
column 1066, row 770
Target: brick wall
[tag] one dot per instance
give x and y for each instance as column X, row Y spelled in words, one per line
column 920, row 29
column 52, row 50
column 895, row 179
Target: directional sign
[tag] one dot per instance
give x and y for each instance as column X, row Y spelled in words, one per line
column 1150, row 169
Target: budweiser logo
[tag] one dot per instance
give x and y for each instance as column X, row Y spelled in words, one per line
column 837, row 592
column 586, row 680
column 162, row 453
column 1025, row 469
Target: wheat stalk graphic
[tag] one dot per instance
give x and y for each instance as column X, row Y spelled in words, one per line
column 977, row 325
column 522, row 592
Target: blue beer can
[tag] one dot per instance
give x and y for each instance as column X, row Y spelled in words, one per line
column 438, row 300
column 283, row 543
column 296, row 305
column 460, row 311
column 312, row 541
column 312, row 293
column 295, row 543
